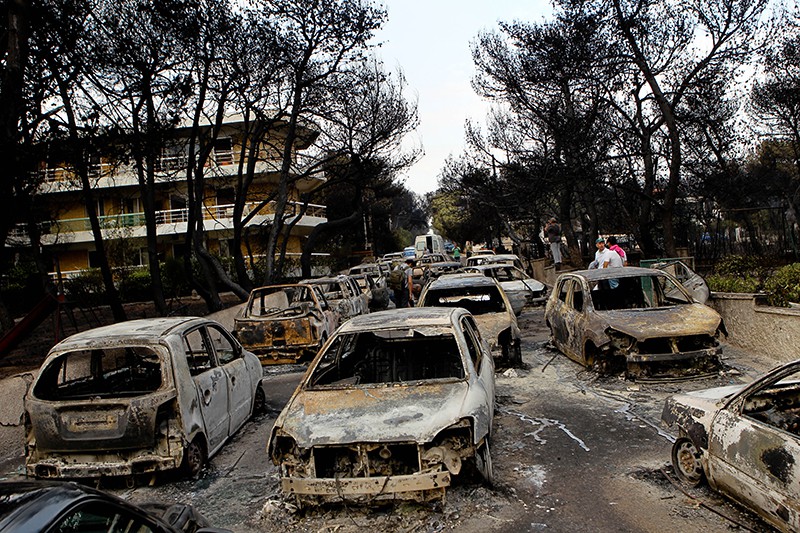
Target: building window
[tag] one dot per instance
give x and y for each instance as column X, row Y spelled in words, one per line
column 223, row 151
column 173, row 157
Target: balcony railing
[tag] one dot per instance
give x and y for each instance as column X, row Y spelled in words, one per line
column 218, row 212
column 164, row 163
column 67, row 174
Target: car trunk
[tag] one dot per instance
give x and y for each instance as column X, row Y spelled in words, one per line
column 96, row 424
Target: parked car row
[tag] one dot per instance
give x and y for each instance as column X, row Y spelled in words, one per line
column 395, row 403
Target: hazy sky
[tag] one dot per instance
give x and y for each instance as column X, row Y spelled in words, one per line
column 430, row 41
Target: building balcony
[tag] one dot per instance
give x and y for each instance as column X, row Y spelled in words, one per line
column 168, row 222
column 168, row 169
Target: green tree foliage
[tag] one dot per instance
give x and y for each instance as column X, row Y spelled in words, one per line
column 784, row 286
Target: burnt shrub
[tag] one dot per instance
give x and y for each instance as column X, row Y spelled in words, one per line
column 784, row 286
column 173, row 276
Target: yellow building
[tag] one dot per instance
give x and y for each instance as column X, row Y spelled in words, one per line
column 67, row 238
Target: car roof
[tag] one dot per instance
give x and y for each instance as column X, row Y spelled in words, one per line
column 281, row 286
column 598, row 274
column 143, row 329
column 403, row 318
column 462, row 279
column 34, row 505
column 326, row 279
column 490, row 266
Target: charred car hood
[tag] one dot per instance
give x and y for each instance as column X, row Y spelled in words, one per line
column 698, row 407
column 707, row 399
column 678, row 320
column 373, row 414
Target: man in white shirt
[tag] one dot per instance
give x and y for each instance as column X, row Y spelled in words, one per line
column 606, row 258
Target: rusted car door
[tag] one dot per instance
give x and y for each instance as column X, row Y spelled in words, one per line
column 754, row 446
column 570, row 318
column 240, row 391
column 211, row 383
column 329, row 316
column 360, row 299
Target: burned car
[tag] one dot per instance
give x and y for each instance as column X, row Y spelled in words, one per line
column 377, row 290
column 507, row 259
column 285, row 323
column 520, row 288
column 391, row 408
column 745, row 441
column 691, row 280
column 486, row 300
column 373, row 279
column 343, row 295
column 637, row 320
column 139, row 397
column 59, row 506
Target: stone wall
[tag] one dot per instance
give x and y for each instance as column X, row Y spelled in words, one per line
column 760, row 329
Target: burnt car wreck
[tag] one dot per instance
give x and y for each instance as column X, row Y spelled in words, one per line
column 393, row 407
column 633, row 320
column 744, row 440
column 485, row 298
column 285, row 323
column 139, row 397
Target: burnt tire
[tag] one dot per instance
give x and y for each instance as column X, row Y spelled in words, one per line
column 686, row 461
column 515, row 357
column 259, row 401
column 483, row 463
column 194, row 458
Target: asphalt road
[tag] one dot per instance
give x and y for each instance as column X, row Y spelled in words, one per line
column 572, row 452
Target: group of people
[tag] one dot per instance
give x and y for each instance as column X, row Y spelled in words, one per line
column 609, row 254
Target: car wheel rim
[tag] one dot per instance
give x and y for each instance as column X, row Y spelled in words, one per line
column 686, row 461
column 194, row 459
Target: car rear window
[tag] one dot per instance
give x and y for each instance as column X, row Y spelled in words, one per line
column 116, row 372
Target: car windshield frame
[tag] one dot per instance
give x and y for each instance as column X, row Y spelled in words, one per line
column 349, row 353
column 643, row 292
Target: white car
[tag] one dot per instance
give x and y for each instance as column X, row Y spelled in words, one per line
column 139, row 397
column 520, row 288
column 391, row 408
column 745, row 441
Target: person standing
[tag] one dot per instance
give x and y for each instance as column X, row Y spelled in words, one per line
column 611, row 244
column 553, row 233
column 457, row 253
column 407, row 290
column 604, row 257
